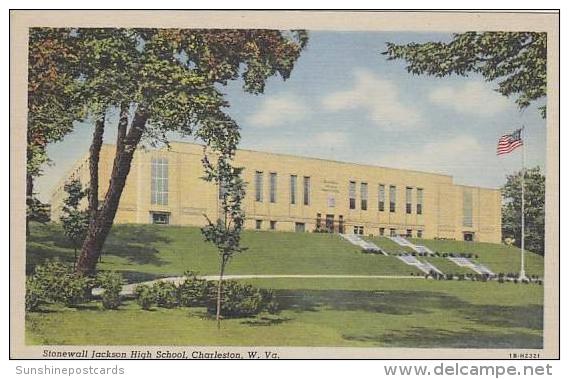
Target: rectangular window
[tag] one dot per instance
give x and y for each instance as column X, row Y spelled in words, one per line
column 392, row 232
column 352, row 195
column 408, row 199
column 363, row 196
column 381, row 231
column 467, row 207
column 259, row 186
column 258, row 224
column 419, row 233
column 341, row 224
column 358, row 229
column 299, row 227
column 160, row 218
column 306, row 190
column 318, row 221
column 419, row 201
column 293, row 180
column 392, row 199
column 381, row 198
column 273, row 225
column 409, row 233
column 159, row 181
column 273, row 187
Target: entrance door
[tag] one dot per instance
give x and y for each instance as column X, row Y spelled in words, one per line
column 330, row 223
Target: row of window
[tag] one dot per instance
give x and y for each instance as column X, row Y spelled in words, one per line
column 298, row 226
column 293, row 185
column 381, row 198
column 358, row 229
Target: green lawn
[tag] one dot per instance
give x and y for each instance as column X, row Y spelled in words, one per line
column 146, row 251
column 497, row 257
column 323, row 312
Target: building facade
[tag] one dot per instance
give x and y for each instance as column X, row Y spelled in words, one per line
column 291, row 193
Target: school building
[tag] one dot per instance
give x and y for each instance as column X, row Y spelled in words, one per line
column 298, row 194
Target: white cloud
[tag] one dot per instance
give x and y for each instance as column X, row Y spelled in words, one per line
column 460, row 156
column 472, row 98
column 379, row 98
column 279, row 110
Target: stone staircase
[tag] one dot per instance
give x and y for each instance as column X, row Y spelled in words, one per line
column 354, row 239
column 426, row 267
column 476, row 267
column 402, row 241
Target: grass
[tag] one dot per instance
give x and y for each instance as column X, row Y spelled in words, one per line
column 142, row 252
column 323, row 312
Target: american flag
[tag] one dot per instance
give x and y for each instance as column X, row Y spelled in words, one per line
column 509, row 142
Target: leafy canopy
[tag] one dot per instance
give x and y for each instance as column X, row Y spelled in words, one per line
column 517, row 60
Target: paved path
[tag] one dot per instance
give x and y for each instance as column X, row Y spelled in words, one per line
column 128, row 289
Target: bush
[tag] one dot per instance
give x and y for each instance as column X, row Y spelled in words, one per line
column 33, row 295
column 193, row 292
column 241, row 300
column 57, row 282
column 165, row 294
column 111, row 282
column 144, row 296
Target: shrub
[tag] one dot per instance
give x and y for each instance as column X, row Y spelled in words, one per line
column 33, row 295
column 241, row 300
column 144, row 296
column 111, row 282
column 58, row 283
column 165, row 294
column 193, row 292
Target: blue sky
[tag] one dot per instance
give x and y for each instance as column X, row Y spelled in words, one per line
column 345, row 101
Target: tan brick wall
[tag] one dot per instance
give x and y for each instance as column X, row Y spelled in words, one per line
column 189, row 197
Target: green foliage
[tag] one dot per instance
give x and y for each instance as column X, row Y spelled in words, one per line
column 534, row 196
column 111, row 282
column 56, row 282
column 38, row 211
column 194, row 292
column 242, row 300
column 34, row 294
column 517, row 60
column 75, row 221
column 165, row 294
column 144, row 296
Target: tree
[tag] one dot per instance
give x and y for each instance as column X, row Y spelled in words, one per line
column 52, row 100
column 534, row 196
column 225, row 232
column 162, row 81
column 517, row 60
column 74, row 219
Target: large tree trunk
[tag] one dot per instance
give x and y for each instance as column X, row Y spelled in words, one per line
column 101, row 225
column 219, row 291
column 94, row 154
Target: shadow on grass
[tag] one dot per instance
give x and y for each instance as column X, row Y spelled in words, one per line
column 266, row 321
column 424, row 337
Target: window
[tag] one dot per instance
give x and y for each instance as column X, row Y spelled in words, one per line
column 258, row 224
column 419, row 201
column 392, row 199
column 381, row 198
column 159, row 181
column 299, row 227
column 318, row 221
column 409, row 233
column 467, row 207
column 160, row 218
column 352, row 195
column 408, row 199
column 259, row 186
column 358, row 229
column 306, row 190
column 293, row 180
column 419, row 233
column 341, row 224
column 273, row 187
column 363, row 195
column 392, row 232
column 273, row 225
column 381, row 231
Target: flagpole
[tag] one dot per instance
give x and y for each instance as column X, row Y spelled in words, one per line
column 522, row 269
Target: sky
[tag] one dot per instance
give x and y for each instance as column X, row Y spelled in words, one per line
column 345, row 101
